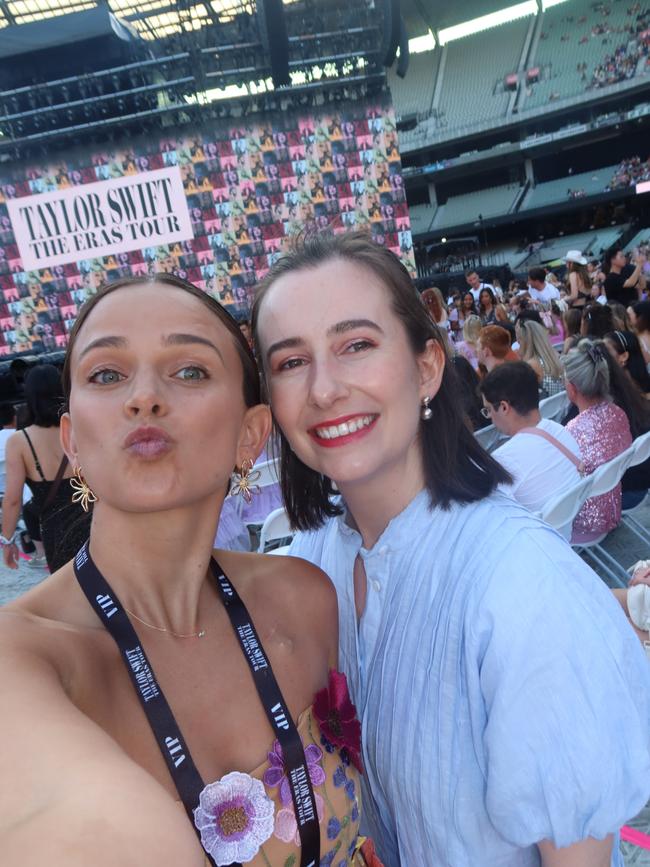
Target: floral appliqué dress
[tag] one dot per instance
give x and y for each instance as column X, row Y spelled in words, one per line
column 250, row 818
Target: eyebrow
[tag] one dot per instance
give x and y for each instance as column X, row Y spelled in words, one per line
column 188, row 340
column 111, row 342
column 350, row 324
column 338, row 328
column 104, row 342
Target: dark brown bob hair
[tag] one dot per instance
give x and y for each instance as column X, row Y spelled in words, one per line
column 456, row 467
column 251, row 378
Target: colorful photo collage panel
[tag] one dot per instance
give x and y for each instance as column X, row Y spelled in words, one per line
column 248, row 188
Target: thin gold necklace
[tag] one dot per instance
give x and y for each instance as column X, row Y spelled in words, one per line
column 198, row 634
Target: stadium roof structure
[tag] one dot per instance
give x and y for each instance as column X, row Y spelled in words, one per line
column 422, row 15
column 155, row 19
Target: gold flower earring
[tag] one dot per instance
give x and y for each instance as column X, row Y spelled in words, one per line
column 82, row 492
column 244, row 480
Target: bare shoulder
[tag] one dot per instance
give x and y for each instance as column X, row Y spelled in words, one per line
column 302, row 590
column 289, row 575
column 14, row 444
column 66, row 782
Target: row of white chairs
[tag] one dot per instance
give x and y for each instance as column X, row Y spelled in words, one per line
column 562, row 510
column 554, row 408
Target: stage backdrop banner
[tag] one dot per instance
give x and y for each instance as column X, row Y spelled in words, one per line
column 101, row 219
column 215, row 205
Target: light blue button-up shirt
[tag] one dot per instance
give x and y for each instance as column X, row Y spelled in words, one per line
column 503, row 697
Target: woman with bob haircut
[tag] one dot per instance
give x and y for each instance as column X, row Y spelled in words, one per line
column 467, row 668
column 138, row 681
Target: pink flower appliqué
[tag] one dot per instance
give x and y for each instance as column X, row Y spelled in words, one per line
column 275, row 774
column 235, row 817
column 337, row 717
column 286, row 827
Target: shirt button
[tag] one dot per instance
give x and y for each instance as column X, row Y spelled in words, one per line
column 376, row 585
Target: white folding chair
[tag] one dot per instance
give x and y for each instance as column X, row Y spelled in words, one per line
column 554, row 407
column 641, row 449
column 559, row 514
column 609, row 474
column 269, row 473
column 606, row 477
column 641, row 446
column 490, row 437
column 561, row 511
column 279, row 552
column 275, row 528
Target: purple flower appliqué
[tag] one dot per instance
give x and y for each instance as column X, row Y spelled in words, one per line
column 275, row 774
column 235, row 817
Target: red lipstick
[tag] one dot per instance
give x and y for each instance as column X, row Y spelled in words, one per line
column 341, row 439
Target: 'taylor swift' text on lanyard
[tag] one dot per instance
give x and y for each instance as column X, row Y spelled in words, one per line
column 168, row 735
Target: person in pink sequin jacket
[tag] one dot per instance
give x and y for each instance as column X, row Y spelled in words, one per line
column 602, row 431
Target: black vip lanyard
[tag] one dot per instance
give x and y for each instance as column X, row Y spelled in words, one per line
column 168, row 735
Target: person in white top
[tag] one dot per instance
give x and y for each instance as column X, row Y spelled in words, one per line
column 475, row 285
column 539, row 289
column 8, row 422
column 472, row 636
column 541, row 456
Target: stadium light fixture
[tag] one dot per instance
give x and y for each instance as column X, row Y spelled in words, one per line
column 486, row 22
column 420, row 44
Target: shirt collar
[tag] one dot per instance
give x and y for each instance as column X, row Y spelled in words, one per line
column 399, row 530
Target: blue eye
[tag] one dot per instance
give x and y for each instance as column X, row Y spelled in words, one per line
column 191, row 374
column 106, row 377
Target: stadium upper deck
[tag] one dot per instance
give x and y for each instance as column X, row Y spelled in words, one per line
column 564, row 55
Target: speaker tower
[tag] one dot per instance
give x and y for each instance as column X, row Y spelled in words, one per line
column 275, row 41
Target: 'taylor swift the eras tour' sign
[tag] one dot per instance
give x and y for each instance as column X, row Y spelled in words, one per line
column 99, row 219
